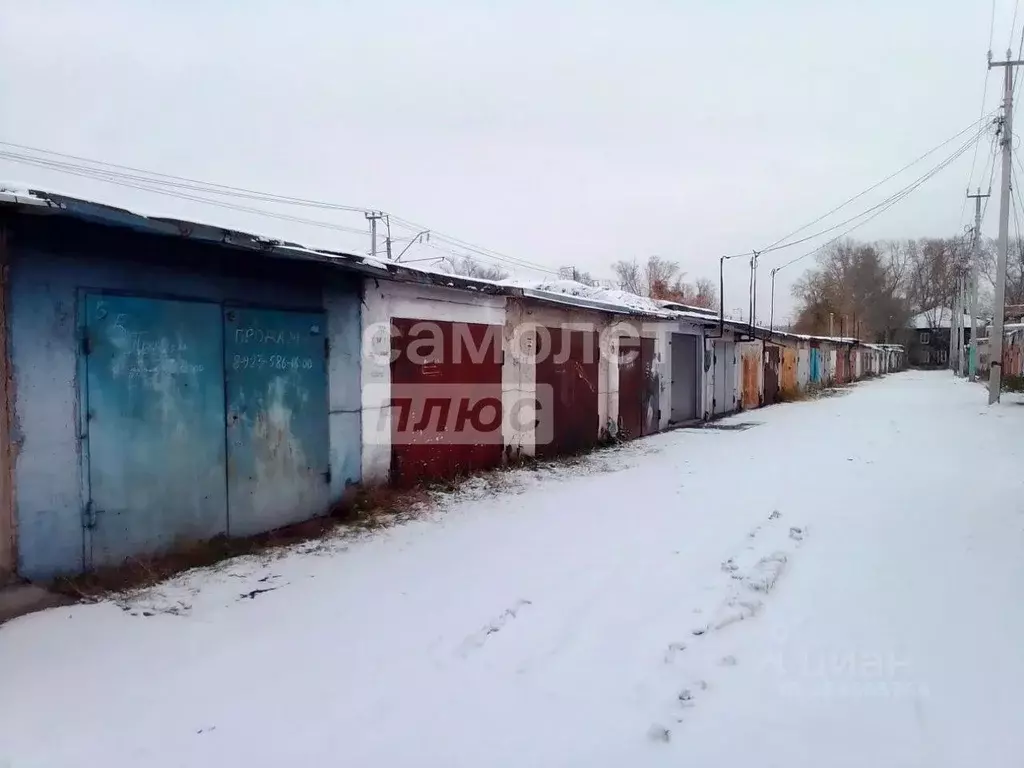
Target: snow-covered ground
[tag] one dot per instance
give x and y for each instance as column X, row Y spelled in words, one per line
column 838, row 585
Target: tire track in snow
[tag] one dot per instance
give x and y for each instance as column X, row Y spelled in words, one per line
column 477, row 639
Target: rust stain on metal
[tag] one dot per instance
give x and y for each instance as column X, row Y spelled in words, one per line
column 751, row 358
column 570, row 368
column 427, row 444
column 788, row 374
column 631, row 385
column 639, row 388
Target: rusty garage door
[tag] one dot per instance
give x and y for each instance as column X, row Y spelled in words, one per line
column 446, row 410
column 771, row 374
column 567, row 365
column 751, row 368
column 842, row 365
column 639, row 388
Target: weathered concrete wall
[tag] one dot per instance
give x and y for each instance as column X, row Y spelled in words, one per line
column 51, row 266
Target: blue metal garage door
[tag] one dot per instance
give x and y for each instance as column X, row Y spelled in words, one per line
column 154, row 425
column 276, row 390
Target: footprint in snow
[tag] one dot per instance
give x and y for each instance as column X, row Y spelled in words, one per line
column 659, row 733
column 673, row 650
column 477, row 639
column 686, row 695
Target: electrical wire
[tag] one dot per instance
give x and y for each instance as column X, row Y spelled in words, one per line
column 1013, row 24
column 480, row 250
column 776, row 245
column 886, row 205
column 991, row 178
column 205, row 186
column 196, row 198
column 984, row 98
column 103, row 172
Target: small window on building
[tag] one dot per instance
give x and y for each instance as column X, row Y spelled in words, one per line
column 925, row 338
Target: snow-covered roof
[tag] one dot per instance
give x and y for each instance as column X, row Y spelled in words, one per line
column 940, row 317
column 592, row 296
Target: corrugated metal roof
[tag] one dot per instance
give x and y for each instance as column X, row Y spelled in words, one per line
column 41, row 202
column 37, row 201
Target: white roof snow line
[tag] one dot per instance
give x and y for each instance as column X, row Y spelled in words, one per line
column 939, row 317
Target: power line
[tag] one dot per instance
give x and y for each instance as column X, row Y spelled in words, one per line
column 886, row 205
column 981, row 112
column 206, row 186
column 489, row 252
column 1013, row 24
column 98, row 176
column 142, row 176
column 776, row 245
column 991, row 176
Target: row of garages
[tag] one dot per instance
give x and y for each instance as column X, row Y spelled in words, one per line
column 1013, row 352
column 166, row 382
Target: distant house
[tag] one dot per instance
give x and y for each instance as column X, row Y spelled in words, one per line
column 926, row 337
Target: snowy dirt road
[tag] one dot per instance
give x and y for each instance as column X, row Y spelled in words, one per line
column 836, row 585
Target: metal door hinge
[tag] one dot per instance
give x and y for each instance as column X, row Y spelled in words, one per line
column 86, row 344
column 327, row 347
column 327, row 476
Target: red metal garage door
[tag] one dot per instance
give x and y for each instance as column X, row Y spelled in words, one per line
column 639, row 388
column 446, row 409
column 567, row 363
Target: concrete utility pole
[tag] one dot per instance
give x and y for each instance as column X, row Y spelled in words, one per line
column 972, row 353
column 953, row 331
column 373, row 217
column 995, row 341
column 954, row 325
column 831, row 333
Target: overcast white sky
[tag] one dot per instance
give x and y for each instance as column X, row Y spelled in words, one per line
column 558, row 132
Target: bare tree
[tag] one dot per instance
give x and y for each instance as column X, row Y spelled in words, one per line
column 663, row 279
column 630, row 277
column 859, row 286
column 705, row 295
column 467, row 267
column 571, row 273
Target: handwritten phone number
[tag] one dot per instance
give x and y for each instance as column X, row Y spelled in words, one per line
column 273, row 362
